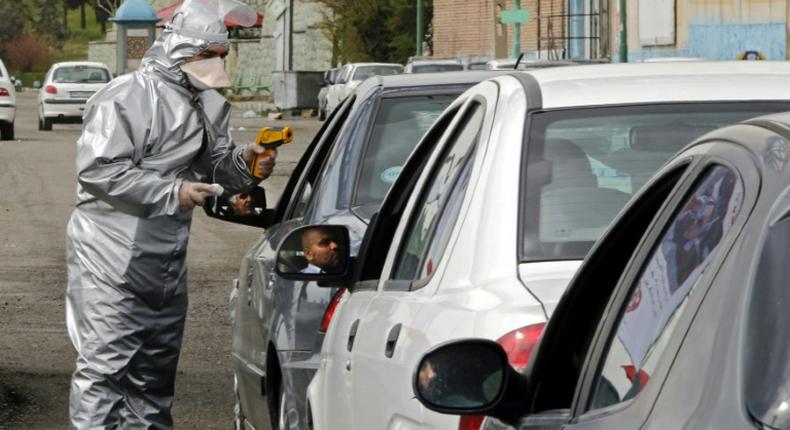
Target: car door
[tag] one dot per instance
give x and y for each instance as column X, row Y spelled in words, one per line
column 337, row 367
column 390, row 335
column 639, row 290
column 252, row 325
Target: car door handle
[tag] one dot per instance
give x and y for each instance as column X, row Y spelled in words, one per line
column 352, row 334
column 392, row 340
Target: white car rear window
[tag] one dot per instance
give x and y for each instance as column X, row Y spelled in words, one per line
column 80, row 75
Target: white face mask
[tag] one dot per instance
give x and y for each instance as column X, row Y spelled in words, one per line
column 206, row 74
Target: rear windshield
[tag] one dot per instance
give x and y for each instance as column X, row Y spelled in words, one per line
column 365, row 72
column 431, row 68
column 400, row 123
column 583, row 165
column 81, row 75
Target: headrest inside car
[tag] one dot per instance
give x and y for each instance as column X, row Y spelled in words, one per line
column 665, row 137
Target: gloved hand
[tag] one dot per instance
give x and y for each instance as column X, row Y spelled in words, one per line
column 193, row 194
column 266, row 165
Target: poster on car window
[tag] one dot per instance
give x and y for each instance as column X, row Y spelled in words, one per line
column 685, row 250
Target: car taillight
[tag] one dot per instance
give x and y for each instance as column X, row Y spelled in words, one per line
column 518, row 344
column 470, row 422
column 51, row 89
column 4, row 93
column 330, row 310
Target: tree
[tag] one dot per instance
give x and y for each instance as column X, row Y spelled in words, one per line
column 50, row 23
column 379, row 30
column 73, row 4
column 26, row 53
column 16, row 18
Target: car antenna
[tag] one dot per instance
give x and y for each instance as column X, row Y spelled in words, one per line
column 520, row 56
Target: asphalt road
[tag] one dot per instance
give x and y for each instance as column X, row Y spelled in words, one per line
column 37, row 185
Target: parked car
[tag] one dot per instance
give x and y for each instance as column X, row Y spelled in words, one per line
column 524, row 172
column 279, row 324
column 429, row 65
column 7, row 104
column 329, row 80
column 65, row 90
column 351, row 75
column 677, row 318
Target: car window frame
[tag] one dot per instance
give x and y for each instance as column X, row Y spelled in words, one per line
column 310, row 166
column 384, row 224
column 445, row 145
column 454, row 89
column 606, row 330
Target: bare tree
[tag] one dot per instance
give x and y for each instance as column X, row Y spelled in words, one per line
column 107, row 6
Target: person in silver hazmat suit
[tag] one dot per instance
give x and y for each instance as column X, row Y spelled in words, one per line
column 153, row 143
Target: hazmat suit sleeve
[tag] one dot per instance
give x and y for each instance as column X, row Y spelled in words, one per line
column 110, row 151
column 222, row 162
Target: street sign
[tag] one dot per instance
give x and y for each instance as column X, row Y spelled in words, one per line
column 517, row 16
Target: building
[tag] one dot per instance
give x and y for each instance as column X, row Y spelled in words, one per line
column 253, row 53
column 588, row 29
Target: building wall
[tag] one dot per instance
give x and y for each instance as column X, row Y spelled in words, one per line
column 717, row 30
column 467, row 28
column 251, row 61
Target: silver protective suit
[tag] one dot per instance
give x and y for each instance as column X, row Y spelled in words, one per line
column 126, row 300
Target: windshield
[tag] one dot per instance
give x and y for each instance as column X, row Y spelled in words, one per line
column 81, row 75
column 400, row 123
column 583, row 165
column 431, row 68
column 365, row 72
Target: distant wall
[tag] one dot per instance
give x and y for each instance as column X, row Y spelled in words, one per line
column 253, row 58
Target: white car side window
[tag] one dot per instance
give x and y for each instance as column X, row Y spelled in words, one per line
column 430, row 229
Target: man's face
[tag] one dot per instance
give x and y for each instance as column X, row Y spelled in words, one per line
column 242, row 204
column 210, row 52
column 321, row 249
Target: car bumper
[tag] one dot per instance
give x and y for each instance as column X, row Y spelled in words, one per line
column 64, row 108
column 7, row 112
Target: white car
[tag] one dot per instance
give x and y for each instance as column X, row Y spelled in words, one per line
column 351, row 75
column 493, row 213
column 66, row 88
column 7, row 104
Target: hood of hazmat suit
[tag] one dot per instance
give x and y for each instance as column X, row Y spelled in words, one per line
column 143, row 134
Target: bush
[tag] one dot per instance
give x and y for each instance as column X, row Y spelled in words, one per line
column 26, row 53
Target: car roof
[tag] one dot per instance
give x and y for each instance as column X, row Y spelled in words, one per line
column 428, row 79
column 79, row 63
column 635, row 83
column 437, row 61
column 373, row 64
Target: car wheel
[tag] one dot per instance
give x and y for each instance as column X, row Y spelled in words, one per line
column 321, row 114
column 46, row 124
column 7, row 131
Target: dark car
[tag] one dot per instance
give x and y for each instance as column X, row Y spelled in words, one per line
column 342, row 178
column 678, row 317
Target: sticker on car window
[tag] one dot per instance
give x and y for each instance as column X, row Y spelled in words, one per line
column 389, row 175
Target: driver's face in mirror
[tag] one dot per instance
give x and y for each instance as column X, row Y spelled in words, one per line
column 249, row 203
column 322, row 250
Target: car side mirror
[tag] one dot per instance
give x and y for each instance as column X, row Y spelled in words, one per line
column 470, row 377
column 316, row 253
column 248, row 208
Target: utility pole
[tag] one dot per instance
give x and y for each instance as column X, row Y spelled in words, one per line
column 517, row 34
column 623, row 33
column 420, row 26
